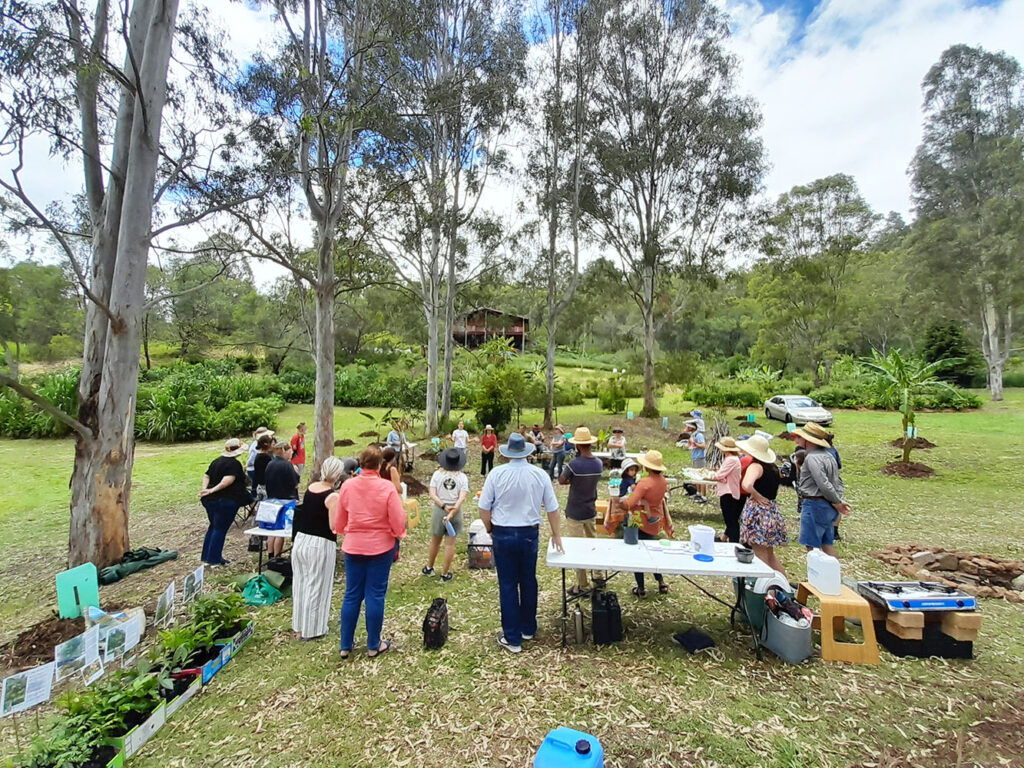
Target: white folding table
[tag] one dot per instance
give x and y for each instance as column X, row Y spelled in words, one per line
column 656, row 556
column 282, row 533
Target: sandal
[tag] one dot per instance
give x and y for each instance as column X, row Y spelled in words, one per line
column 345, row 654
column 662, row 588
column 639, row 592
column 383, row 648
column 575, row 591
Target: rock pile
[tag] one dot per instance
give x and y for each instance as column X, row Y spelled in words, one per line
column 975, row 573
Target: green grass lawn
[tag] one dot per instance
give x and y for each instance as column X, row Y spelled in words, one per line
column 285, row 703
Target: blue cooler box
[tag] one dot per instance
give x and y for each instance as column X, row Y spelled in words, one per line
column 567, row 748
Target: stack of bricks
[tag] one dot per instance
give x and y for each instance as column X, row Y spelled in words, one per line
column 976, row 574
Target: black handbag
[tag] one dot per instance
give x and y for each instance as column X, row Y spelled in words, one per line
column 435, row 624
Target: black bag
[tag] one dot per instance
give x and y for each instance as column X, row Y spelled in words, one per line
column 282, row 565
column 435, row 624
column 787, row 473
column 607, row 617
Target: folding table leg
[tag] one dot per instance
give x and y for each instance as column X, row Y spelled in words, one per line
column 565, row 609
column 742, row 604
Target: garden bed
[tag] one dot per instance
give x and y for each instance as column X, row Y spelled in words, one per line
column 907, row 469
column 915, row 442
column 35, row 645
column 976, row 573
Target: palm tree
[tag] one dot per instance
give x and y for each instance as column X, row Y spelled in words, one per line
column 902, row 378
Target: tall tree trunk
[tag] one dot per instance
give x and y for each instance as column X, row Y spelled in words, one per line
column 549, row 371
column 323, row 400
column 101, row 482
column 430, row 312
column 993, row 348
column 650, row 409
column 449, row 348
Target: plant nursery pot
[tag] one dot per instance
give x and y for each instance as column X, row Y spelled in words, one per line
column 191, row 688
column 631, row 535
column 132, row 741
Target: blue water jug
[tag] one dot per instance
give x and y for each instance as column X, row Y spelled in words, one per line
column 567, row 748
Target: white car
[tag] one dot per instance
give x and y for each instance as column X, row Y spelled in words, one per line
column 796, row 409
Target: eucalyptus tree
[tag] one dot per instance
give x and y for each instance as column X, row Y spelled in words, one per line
column 565, row 76
column 63, row 83
column 320, row 100
column 675, row 150
column 968, row 182
column 811, row 239
column 456, row 94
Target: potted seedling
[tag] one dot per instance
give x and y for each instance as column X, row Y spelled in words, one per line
column 70, row 743
column 124, row 710
column 183, row 652
column 631, row 529
column 225, row 616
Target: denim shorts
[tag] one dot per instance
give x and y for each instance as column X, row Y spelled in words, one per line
column 817, row 521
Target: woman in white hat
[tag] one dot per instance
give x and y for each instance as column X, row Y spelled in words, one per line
column 222, row 494
column 762, row 526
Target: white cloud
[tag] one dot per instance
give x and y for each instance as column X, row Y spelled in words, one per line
column 846, row 96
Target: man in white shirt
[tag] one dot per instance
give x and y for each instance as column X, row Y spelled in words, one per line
column 510, row 507
column 460, row 437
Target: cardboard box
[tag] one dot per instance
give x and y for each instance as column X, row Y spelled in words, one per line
column 175, row 704
column 133, row 741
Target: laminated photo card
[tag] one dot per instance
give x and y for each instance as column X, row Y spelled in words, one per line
column 165, row 608
column 193, row 585
column 77, row 653
column 26, row 689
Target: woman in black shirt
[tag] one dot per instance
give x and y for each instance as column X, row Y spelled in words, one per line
column 762, row 526
column 315, row 551
column 282, row 482
column 223, row 493
column 259, row 465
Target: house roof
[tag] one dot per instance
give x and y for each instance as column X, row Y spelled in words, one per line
column 492, row 311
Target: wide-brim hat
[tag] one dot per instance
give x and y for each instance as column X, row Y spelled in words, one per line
column 628, row 464
column 517, row 447
column 582, row 436
column 261, row 431
column 233, row 447
column 817, row 430
column 727, row 445
column 488, row 427
column 697, row 413
column 758, row 448
column 453, row 460
column 806, row 435
column 653, row 460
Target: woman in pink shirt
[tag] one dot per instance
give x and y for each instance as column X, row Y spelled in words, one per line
column 729, row 476
column 368, row 512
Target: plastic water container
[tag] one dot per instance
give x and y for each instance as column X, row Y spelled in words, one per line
column 568, row 748
column 823, row 572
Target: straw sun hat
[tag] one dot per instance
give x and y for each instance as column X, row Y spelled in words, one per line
column 727, row 445
column 233, row 447
column 757, row 447
column 812, row 435
column 582, row 436
column 653, row 461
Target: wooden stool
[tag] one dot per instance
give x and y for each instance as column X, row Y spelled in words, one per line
column 834, row 611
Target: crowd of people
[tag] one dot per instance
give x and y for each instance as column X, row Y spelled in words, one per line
column 361, row 501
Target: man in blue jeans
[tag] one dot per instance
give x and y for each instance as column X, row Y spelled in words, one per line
column 510, row 507
column 821, row 493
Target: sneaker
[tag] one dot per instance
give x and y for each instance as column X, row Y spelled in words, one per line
column 220, row 564
column 427, row 571
column 700, row 499
column 445, row 576
column 508, row 646
column 528, row 637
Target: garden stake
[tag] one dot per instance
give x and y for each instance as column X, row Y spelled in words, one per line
column 17, row 733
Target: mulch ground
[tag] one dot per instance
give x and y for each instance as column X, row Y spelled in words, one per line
column 909, row 469
column 993, row 741
column 784, row 435
column 35, row 645
column 753, row 424
column 413, row 486
column 343, row 443
column 916, row 442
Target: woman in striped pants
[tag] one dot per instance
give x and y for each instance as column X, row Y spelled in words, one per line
column 314, row 552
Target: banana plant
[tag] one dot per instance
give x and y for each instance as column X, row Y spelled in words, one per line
column 903, row 378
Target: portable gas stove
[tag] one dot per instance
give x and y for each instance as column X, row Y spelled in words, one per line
column 916, row 596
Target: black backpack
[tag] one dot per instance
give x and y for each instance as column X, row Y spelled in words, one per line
column 435, row 624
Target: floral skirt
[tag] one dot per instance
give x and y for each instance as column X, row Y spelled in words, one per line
column 762, row 524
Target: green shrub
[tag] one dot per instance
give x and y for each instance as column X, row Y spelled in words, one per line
column 612, row 396
column 242, row 418
column 449, row 425
column 298, row 385
column 722, row 397
column 845, row 396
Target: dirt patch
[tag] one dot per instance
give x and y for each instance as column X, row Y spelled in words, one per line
column 909, row 469
column 989, row 742
column 784, row 435
column 343, row 443
column 34, row 646
column 915, row 442
column 368, row 433
column 413, row 486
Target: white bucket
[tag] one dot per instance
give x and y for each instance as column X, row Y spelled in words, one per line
column 823, row 572
column 702, row 537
